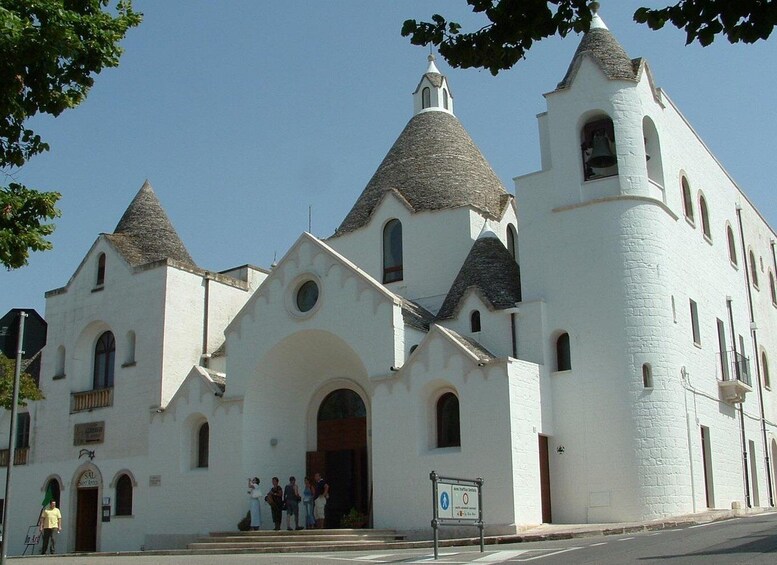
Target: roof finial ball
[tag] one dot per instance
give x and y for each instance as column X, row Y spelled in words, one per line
column 594, row 8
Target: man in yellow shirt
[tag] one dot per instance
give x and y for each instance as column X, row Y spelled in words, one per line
column 50, row 524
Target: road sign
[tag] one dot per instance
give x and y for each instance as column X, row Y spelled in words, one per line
column 456, row 501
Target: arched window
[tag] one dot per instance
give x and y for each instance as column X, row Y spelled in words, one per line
column 392, row 251
column 653, row 158
column 512, row 239
column 598, row 148
column 445, row 98
column 765, row 370
column 426, row 97
column 563, row 354
column 705, row 218
column 687, row 200
column 203, row 445
column 753, row 269
column 104, row 357
column 448, row 423
column 341, row 404
column 124, row 496
column 732, row 247
column 647, row 375
column 101, row 270
column 53, row 486
column 474, row 321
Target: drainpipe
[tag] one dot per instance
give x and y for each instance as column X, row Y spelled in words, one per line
column 514, row 332
column 754, row 337
column 205, row 357
column 686, row 384
column 742, row 438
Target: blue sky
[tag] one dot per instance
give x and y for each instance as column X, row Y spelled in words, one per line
column 242, row 114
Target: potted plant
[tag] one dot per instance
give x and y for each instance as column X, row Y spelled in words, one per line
column 353, row 520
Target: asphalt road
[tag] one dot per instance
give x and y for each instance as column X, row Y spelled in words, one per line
column 751, row 541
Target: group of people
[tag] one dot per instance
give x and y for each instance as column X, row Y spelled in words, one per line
column 313, row 498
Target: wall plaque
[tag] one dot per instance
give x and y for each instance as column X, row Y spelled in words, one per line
column 88, row 480
column 89, row 433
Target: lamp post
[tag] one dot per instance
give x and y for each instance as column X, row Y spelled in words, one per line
column 12, row 436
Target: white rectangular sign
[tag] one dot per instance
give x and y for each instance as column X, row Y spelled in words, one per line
column 457, row 502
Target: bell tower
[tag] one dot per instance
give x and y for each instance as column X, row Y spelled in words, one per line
column 432, row 93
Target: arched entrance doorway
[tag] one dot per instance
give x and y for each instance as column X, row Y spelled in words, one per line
column 341, row 454
column 87, row 490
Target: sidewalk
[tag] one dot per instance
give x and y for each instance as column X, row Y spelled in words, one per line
column 569, row 531
column 543, row 532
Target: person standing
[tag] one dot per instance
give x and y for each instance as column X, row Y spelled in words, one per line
column 255, row 508
column 291, row 499
column 308, row 495
column 322, row 494
column 50, row 524
column 275, row 499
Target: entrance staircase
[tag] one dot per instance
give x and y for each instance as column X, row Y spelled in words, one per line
column 284, row 541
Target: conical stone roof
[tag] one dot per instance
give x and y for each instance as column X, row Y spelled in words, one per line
column 145, row 234
column 491, row 270
column 608, row 54
column 433, row 165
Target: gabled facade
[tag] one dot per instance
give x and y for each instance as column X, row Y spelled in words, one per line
column 596, row 349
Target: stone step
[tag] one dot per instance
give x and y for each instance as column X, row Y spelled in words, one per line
column 294, row 539
column 285, row 541
column 343, row 532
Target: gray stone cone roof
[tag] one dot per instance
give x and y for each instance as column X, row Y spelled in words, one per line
column 144, row 234
column 608, row 54
column 491, row 270
column 433, row 165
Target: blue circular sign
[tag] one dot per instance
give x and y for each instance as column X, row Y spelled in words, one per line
column 445, row 501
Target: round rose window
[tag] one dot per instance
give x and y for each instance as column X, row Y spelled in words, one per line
column 307, row 296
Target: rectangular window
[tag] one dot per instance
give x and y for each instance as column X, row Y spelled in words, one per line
column 695, row 323
column 23, row 430
column 723, row 353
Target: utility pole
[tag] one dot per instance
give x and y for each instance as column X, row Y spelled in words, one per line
column 12, row 436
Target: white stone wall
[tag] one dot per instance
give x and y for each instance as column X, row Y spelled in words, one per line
column 497, row 437
column 434, row 244
column 184, row 312
column 495, row 333
column 284, row 362
column 189, row 493
column 616, row 269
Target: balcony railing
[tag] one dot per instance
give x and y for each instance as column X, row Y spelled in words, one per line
column 19, row 456
column 89, row 399
column 735, row 381
column 736, row 366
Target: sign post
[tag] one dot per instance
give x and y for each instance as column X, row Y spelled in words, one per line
column 456, row 502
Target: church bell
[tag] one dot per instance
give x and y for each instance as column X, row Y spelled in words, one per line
column 601, row 153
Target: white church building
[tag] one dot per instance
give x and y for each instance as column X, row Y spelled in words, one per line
column 596, row 347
